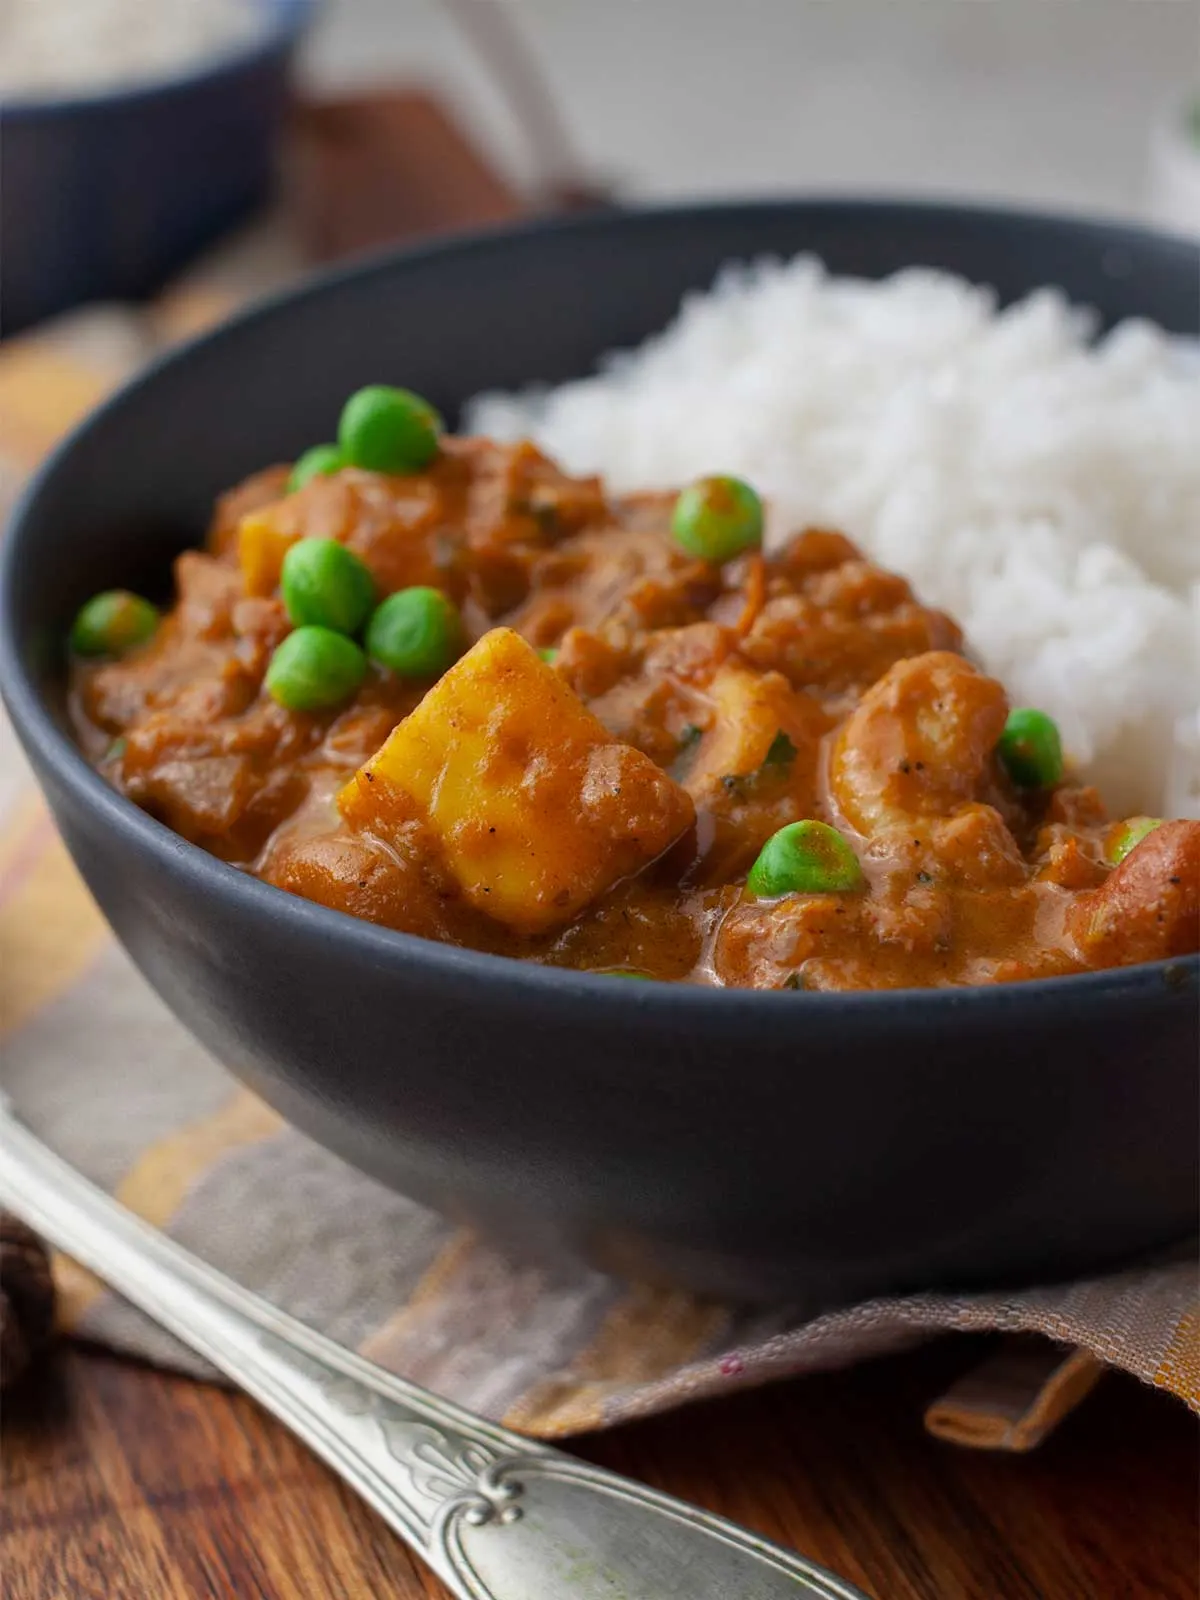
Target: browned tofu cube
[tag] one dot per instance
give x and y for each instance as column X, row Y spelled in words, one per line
column 535, row 808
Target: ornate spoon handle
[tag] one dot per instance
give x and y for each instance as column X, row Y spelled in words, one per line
column 498, row 1517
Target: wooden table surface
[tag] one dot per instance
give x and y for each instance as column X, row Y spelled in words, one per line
column 125, row 1484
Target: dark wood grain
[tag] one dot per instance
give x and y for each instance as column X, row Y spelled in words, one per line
column 376, row 169
column 126, row 1484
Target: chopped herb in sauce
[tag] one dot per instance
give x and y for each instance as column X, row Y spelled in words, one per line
column 782, row 752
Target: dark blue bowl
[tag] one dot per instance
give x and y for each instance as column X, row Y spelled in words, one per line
column 105, row 196
column 815, row 1145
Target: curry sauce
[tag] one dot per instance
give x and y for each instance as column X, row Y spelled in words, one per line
column 603, row 808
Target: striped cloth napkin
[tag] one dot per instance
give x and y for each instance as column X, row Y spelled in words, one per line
column 100, row 1069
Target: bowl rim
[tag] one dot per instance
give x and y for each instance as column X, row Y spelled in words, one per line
column 207, row 874
column 284, row 24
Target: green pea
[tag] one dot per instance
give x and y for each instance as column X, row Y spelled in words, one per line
column 1127, row 837
column 804, row 858
column 1030, row 749
column 718, row 518
column 112, row 623
column 416, row 633
column 324, row 583
column 315, row 668
column 389, row 430
column 548, row 654
column 319, row 462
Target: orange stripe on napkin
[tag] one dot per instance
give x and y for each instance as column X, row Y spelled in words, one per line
column 1179, row 1369
column 1014, row 1398
column 192, row 310
column 470, row 1298
column 75, row 1289
column 441, row 1272
column 648, row 1333
column 159, row 1180
column 50, row 931
column 42, row 394
column 436, row 1281
column 27, row 832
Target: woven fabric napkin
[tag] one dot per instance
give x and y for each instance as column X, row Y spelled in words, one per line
column 100, row 1069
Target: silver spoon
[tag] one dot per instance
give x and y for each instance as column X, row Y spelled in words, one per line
column 496, row 1516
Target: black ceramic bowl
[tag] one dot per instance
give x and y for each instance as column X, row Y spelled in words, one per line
column 820, row 1146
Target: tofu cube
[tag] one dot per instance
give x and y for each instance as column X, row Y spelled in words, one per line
column 536, row 809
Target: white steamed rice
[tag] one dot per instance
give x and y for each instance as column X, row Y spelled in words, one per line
column 1040, row 485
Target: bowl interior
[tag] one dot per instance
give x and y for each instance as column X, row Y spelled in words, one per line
column 535, row 305
column 541, row 304
column 1051, row 1170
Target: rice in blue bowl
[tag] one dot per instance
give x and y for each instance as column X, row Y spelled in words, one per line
column 116, row 168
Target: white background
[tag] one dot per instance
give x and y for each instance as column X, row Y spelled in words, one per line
column 1043, row 101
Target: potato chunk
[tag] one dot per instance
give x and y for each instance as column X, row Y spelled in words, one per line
column 535, row 808
column 263, row 541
